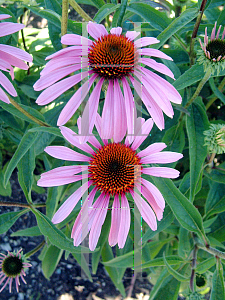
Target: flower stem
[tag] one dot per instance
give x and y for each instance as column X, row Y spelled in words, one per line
column 193, row 267
column 211, row 250
column 17, row 204
column 220, row 88
column 65, row 6
column 80, row 11
column 28, row 254
column 195, row 31
column 16, row 105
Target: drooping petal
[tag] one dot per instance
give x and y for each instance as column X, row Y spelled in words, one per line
column 97, row 223
column 4, row 16
column 9, row 28
column 124, row 222
column 64, row 171
column 67, row 207
column 153, row 52
column 142, row 134
column 19, row 53
column 161, row 172
column 3, row 96
column 96, row 30
column 115, row 222
column 4, row 81
column 157, row 66
column 145, row 41
column 48, row 182
column 107, row 127
column 14, row 61
column 155, row 193
column 153, row 148
column 145, row 211
column 161, row 158
column 64, row 153
column 75, row 50
column 75, row 39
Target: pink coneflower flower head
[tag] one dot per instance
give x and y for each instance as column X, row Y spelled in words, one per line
column 10, row 56
column 115, row 62
column 212, row 55
column 13, row 266
column 114, row 170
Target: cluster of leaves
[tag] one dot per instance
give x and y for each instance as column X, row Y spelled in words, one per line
column 178, row 253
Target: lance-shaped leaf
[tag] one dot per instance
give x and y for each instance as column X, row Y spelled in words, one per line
column 8, row 219
column 173, row 272
column 217, row 283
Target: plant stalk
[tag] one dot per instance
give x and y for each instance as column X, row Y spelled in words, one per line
column 17, row 204
column 28, row 254
column 64, row 24
column 211, row 250
column 80, row 11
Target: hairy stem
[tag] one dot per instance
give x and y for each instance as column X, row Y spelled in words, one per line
column 65, row 6
column 211, row 250
column 17, row 204
column 28, row 254
column 17, row 106
column 80, row 11
column 193, row 267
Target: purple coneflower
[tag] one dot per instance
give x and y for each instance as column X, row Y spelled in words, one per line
column 10, row 56
column 114, row 170
column 12, row 266
column 213, row 54
column 114, row 59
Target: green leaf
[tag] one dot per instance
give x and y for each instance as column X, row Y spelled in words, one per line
column 159, row 261
column 98, row 3
column 187, row 16
column 185, row 212
column 215, row 90
column 173, row 272
column 156, row 19
column 192, row 75
column 4, row 191
column 122, row 11
column 184, row 246
column 11, row 109
column 56, row 236
column 205, row 265
column 26, row 168
column 215, row 175
column 215, row 202
column 26, row 142
column 196, row 124
column 104, row 11
column 108, row 255
column 51, row 260
column 218, row 283
column 80, row 258
column 168, row 218
column 32, row 231
column 52, row 130
column 8, row 219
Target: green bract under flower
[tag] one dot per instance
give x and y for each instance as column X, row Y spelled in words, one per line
column 215, row 138
column 212, row 54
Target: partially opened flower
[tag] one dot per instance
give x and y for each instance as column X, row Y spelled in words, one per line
column 213, row 54
column 115, row 60
column 10, row 56
column 215, row 138
column 13, row 266
column 113, row 169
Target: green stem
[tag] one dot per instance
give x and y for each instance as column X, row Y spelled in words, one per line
column 195, row 31
column 16, row 105
column 220, row 88
column 193, row 267
column 80, row 11
column 65, row 6
column 28, row 254
column 17, row 204
column 211, row 250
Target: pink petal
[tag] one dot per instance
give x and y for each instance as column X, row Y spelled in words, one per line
column 131, row 35
column 146, row 211
column 4, row 81
column 161, row 172
column 153, row 52
column 96, row 30
column 76, row 50
column 124, row 222
column 67, row 207
column 49, row 79
column 64, row 171
column 90, row 112
column 48, row 182
column 75, row 39
column 98, row 125
column 73, row 138
column 9, row 28
column 57, row 89
column 3, row 96
column 161, row 158
column 213, row 32
column 12, row 60
column 130, row 109
column 218, row 32
column 4, row 16
column 155, row 193
column 145, row 41
column 142, row 134
column 115, row 222
column 97, row 223
column 120, row 122
column 21, row 54
column 157, row 66
column 65, row 153
column 92, row 139
column 108, row 113
column 116, row 30
column 153, row 148
column 75, row 101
